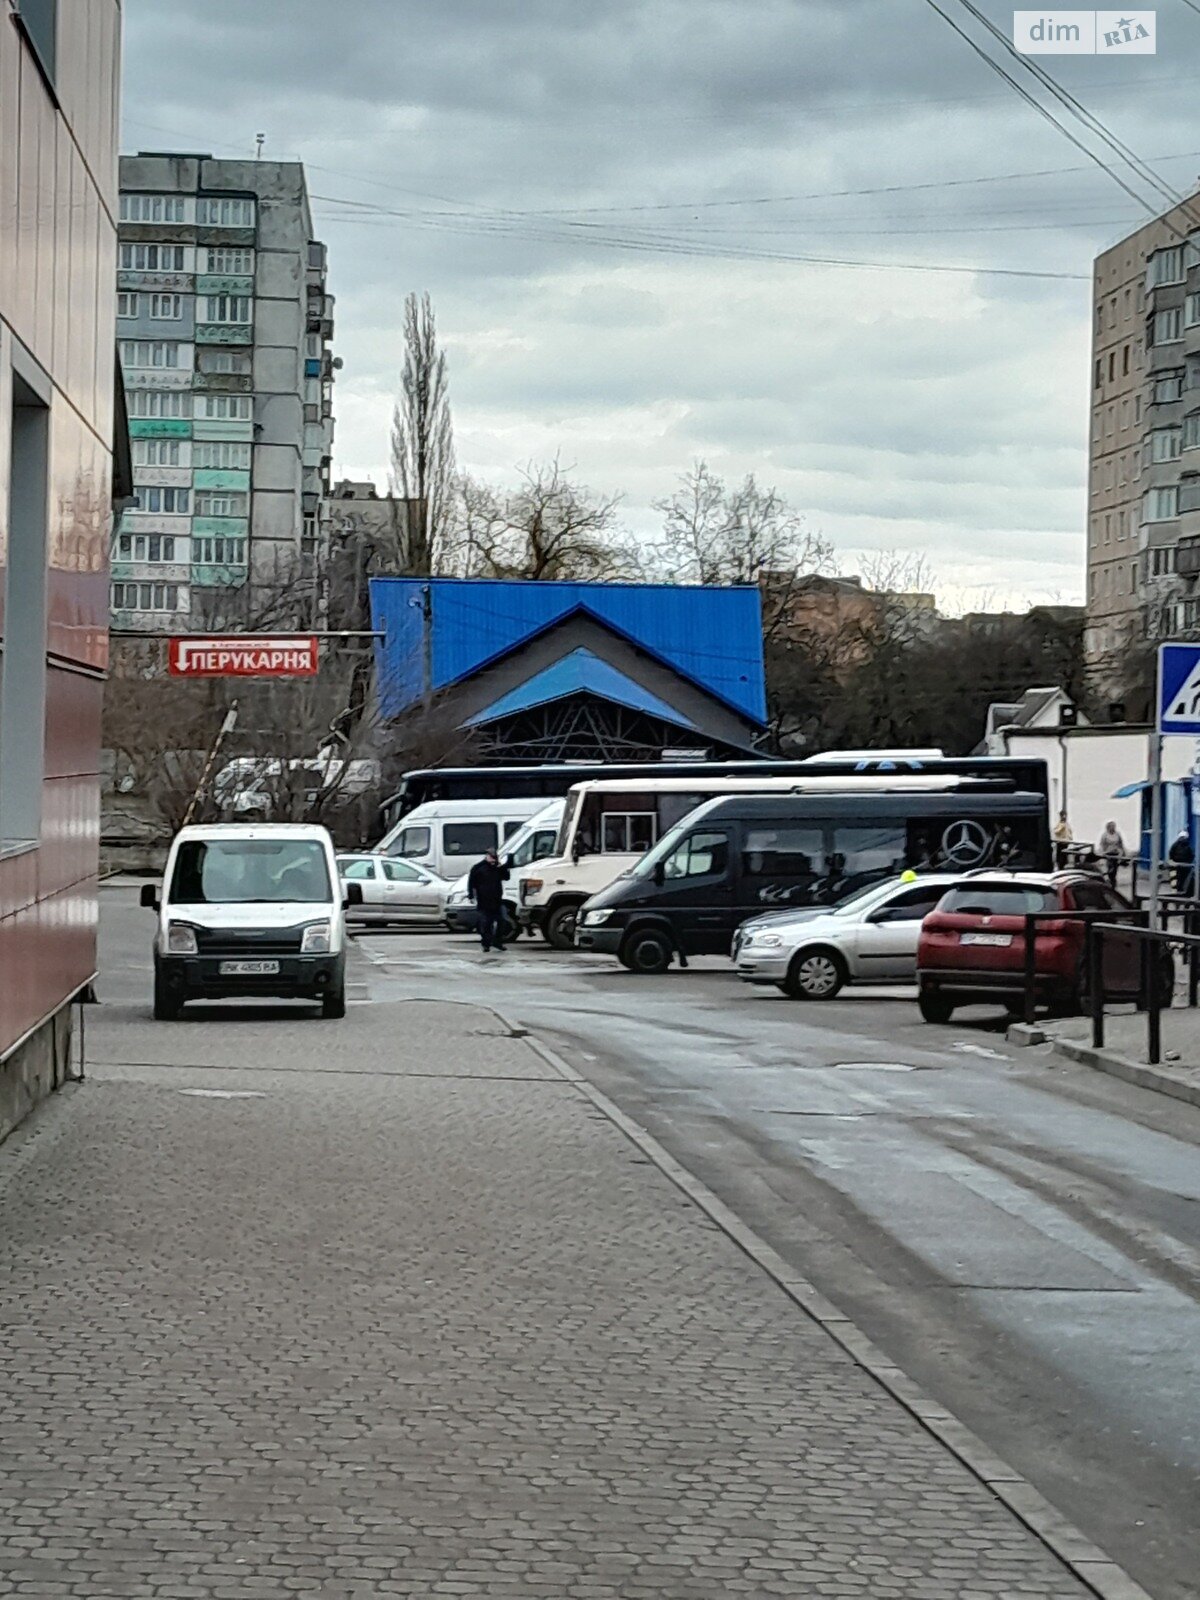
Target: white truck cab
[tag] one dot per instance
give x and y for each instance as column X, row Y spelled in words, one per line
column 249, row 910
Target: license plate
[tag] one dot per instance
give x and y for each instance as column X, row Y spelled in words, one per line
column 987, row 938
column 248, row 969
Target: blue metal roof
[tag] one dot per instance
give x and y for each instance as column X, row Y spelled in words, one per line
column 577, row 673
column 712, row 636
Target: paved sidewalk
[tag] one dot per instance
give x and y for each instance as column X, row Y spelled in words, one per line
column 392, row 1310
column 1125, row 1052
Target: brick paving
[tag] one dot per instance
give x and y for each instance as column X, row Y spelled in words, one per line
column 407, row 1317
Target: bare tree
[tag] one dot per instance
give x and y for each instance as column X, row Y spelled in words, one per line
column 715, row 534
column 422, row 440
column 547, row 527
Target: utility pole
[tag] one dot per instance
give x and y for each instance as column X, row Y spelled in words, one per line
column 427, row 642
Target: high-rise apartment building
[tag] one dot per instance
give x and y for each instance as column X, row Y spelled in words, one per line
column 223, row 325
column 1143, row 534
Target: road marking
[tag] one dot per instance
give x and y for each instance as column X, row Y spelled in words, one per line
column 979, row 1050
column 872, row 1066
column 226, row 1094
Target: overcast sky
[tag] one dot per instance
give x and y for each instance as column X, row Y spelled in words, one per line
column 601, row 195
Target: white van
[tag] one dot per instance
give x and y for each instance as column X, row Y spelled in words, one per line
column 449, row 836
column 535, row 840
column 250, row 909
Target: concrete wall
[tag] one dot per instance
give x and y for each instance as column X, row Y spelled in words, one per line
column 1089, row 764
column 35, row 1069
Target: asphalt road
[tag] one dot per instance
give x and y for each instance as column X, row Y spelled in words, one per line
column 1018, row 1233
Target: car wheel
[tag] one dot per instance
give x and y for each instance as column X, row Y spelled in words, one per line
column 560, row 927
column 333, row 1004
column 167, row 1004
column 934, row 1007
column 648, row 952
column 816, row 974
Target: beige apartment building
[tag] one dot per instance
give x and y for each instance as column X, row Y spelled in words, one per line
column 1143, row 486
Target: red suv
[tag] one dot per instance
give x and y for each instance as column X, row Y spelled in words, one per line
column 972, row 946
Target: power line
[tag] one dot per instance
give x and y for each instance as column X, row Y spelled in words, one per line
column 1043, row 111
column 661, row 246
column 1081, row 113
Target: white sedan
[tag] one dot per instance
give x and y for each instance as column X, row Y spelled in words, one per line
column 393, row 890
column 814, row 952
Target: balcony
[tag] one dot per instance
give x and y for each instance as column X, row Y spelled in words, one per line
column 1187, row 558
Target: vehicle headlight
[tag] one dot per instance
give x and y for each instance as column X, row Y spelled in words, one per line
column 764, row 941
column 457, row 897
column 531, row 886
column 181, row 940
column 592, row 919
column 316, row 939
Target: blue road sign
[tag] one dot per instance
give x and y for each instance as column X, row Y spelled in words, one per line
column 1179, row 688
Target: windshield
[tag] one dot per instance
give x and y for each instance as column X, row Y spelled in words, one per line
column 659, row 852
column 241, row 871
column 536, row 844
column 998, row 899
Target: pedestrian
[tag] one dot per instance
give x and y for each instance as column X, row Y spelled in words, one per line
column 485, row 887
column 1181, row 856
column 1063, row 836
column 1110, row 847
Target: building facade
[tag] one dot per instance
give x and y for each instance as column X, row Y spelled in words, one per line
column 224, row 324
column 60, row 413
column 1143, row 485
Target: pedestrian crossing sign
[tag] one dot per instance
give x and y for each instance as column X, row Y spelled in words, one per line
column 1179, row 688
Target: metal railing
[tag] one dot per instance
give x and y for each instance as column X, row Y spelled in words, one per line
column 1089, row 919
column 1150, row 940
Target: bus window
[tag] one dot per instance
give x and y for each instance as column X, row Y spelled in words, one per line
column 627, row 832
column 468, row 838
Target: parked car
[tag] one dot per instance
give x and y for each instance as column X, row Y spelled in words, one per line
column 393, row 891
column 972, row 947
column 871, row 937
column 250, row 909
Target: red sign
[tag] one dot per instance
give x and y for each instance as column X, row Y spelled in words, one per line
column 243, row 656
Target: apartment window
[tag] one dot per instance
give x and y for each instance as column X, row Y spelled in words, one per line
column 1161, row 504
column 221, row 503
column 1125, row 361
column 158, row 453
column 223, row 454
column 231, row 260
column 1165, row 444
column 216, row 358
column 1168, row 326
column 226, row 308
column 1108, row 530
column 154, row 548
column 159, row 403
column 1168, row 386
column 152, row 208
column 1099, row 372
column 23, row 661
column 225, row 213
column 1191, row 431
column 127, row 304
column 1137, row 409
column 1191, row 311
column 149, row 353
column 166, row 307
column 230, row 407
column 149, row 597
column 1166, row 266
column 219, row 552
column 169, row 502
column 1162, row 561
column 1112, row 365
column 152, row 257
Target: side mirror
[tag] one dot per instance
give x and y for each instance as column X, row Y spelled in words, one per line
column 149, row 896
column 660, row 875
column 353, row 895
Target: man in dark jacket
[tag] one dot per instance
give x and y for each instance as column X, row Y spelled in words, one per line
column 485, row 885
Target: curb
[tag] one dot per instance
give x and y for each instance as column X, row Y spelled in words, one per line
column 1108, row 1061
column 1131, row 1071
column 1079, row 1555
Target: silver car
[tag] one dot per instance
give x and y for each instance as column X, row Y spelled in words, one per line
column 813, row 952
column 393, row 890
